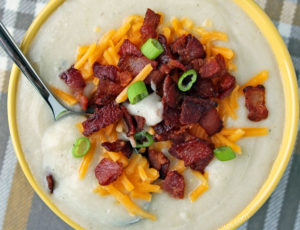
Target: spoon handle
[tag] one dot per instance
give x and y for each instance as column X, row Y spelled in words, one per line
column 11, row 48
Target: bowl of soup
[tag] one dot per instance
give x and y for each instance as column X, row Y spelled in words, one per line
column 61, row 39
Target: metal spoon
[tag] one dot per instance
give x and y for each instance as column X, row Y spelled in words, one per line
column 13, row 51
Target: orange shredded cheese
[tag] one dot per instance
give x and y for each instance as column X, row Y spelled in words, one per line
column 258, row 79
column 140, row 77
column 198, row 131
column 201, row 188
column 85, row 57
column 128, row 203
column 229, row 143
column 86, row 160
column 238, row 134
column 68, row 98
column 226, row 52
column 249, row 132
column 176, row 24
column 179, row 166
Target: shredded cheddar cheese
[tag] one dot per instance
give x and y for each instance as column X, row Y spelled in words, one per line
column 201, row 188
column 69, row 99
column 229, row 143
column 226, row 52
column 85, row 57
column 179, row 166
column 249, row 132
column 86, row 160
column 258, row 79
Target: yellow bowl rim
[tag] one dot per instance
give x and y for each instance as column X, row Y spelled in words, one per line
column 290, row 88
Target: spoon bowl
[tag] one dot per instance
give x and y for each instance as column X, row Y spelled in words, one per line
column 17, row 56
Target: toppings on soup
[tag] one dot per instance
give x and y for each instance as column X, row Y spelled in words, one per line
column 161, row 96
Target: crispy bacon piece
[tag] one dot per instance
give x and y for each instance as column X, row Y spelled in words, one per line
column 204, row 88
column 167, row 59
column 50, row 182
column 108, row 72
column 140, row 122
column 211, row 122
column 125, row 78
column 101, row 118
column 128, row 49
column 195, row 153
column 174, row 184
column 255, row 102
column 151, row 21
column 119, row 146
column 135, row 64
column 134, row 123
column 159, row 161
column 225, row 85
column 166, row 56
column 109, row 84
column 156, row 77
column 170, row 93
column 187, row 48
column 213, row 67
column 196, row 64
column 131, row 130
column 193, row 109
column 170, row 115
column 176, row 134
column 73, row 78
column 108, row 171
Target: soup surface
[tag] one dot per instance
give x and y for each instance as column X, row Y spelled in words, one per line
column 48, row 145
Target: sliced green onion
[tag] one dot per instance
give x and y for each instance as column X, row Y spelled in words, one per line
column 81, row 147
column 187, row 80
column 137, row 92
column 152, row 49
column 143, row 139
column 224, row 153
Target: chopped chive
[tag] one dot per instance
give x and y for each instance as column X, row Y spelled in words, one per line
column 143, row 139
column 152, row 49
column 81, row 147
column 187, row 80
column 224, row 153
column 137, row 92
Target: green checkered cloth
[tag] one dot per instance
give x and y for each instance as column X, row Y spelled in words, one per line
column 21, row 208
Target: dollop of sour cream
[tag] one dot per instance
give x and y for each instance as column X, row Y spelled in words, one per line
column 150, row 108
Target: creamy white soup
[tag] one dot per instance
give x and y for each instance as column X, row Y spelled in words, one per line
column 47, row 145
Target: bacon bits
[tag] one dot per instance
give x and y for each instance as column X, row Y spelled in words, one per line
column 174, row 184
column 50, row 182
column 151, row 21
column 159, row 161
column 204, row 88
column 101, row 118
column 134, row 123
column 211, row 122
column 108, row 171
column 119, row 146
column 170, row 93
column 128, row 48
column 226, row 85
column 195, row 153
column 135, row 64
column 213, row 67
column 187, row 48
column 109, row 83
column 73, row 78
column 194, row 108
column 255, row 102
